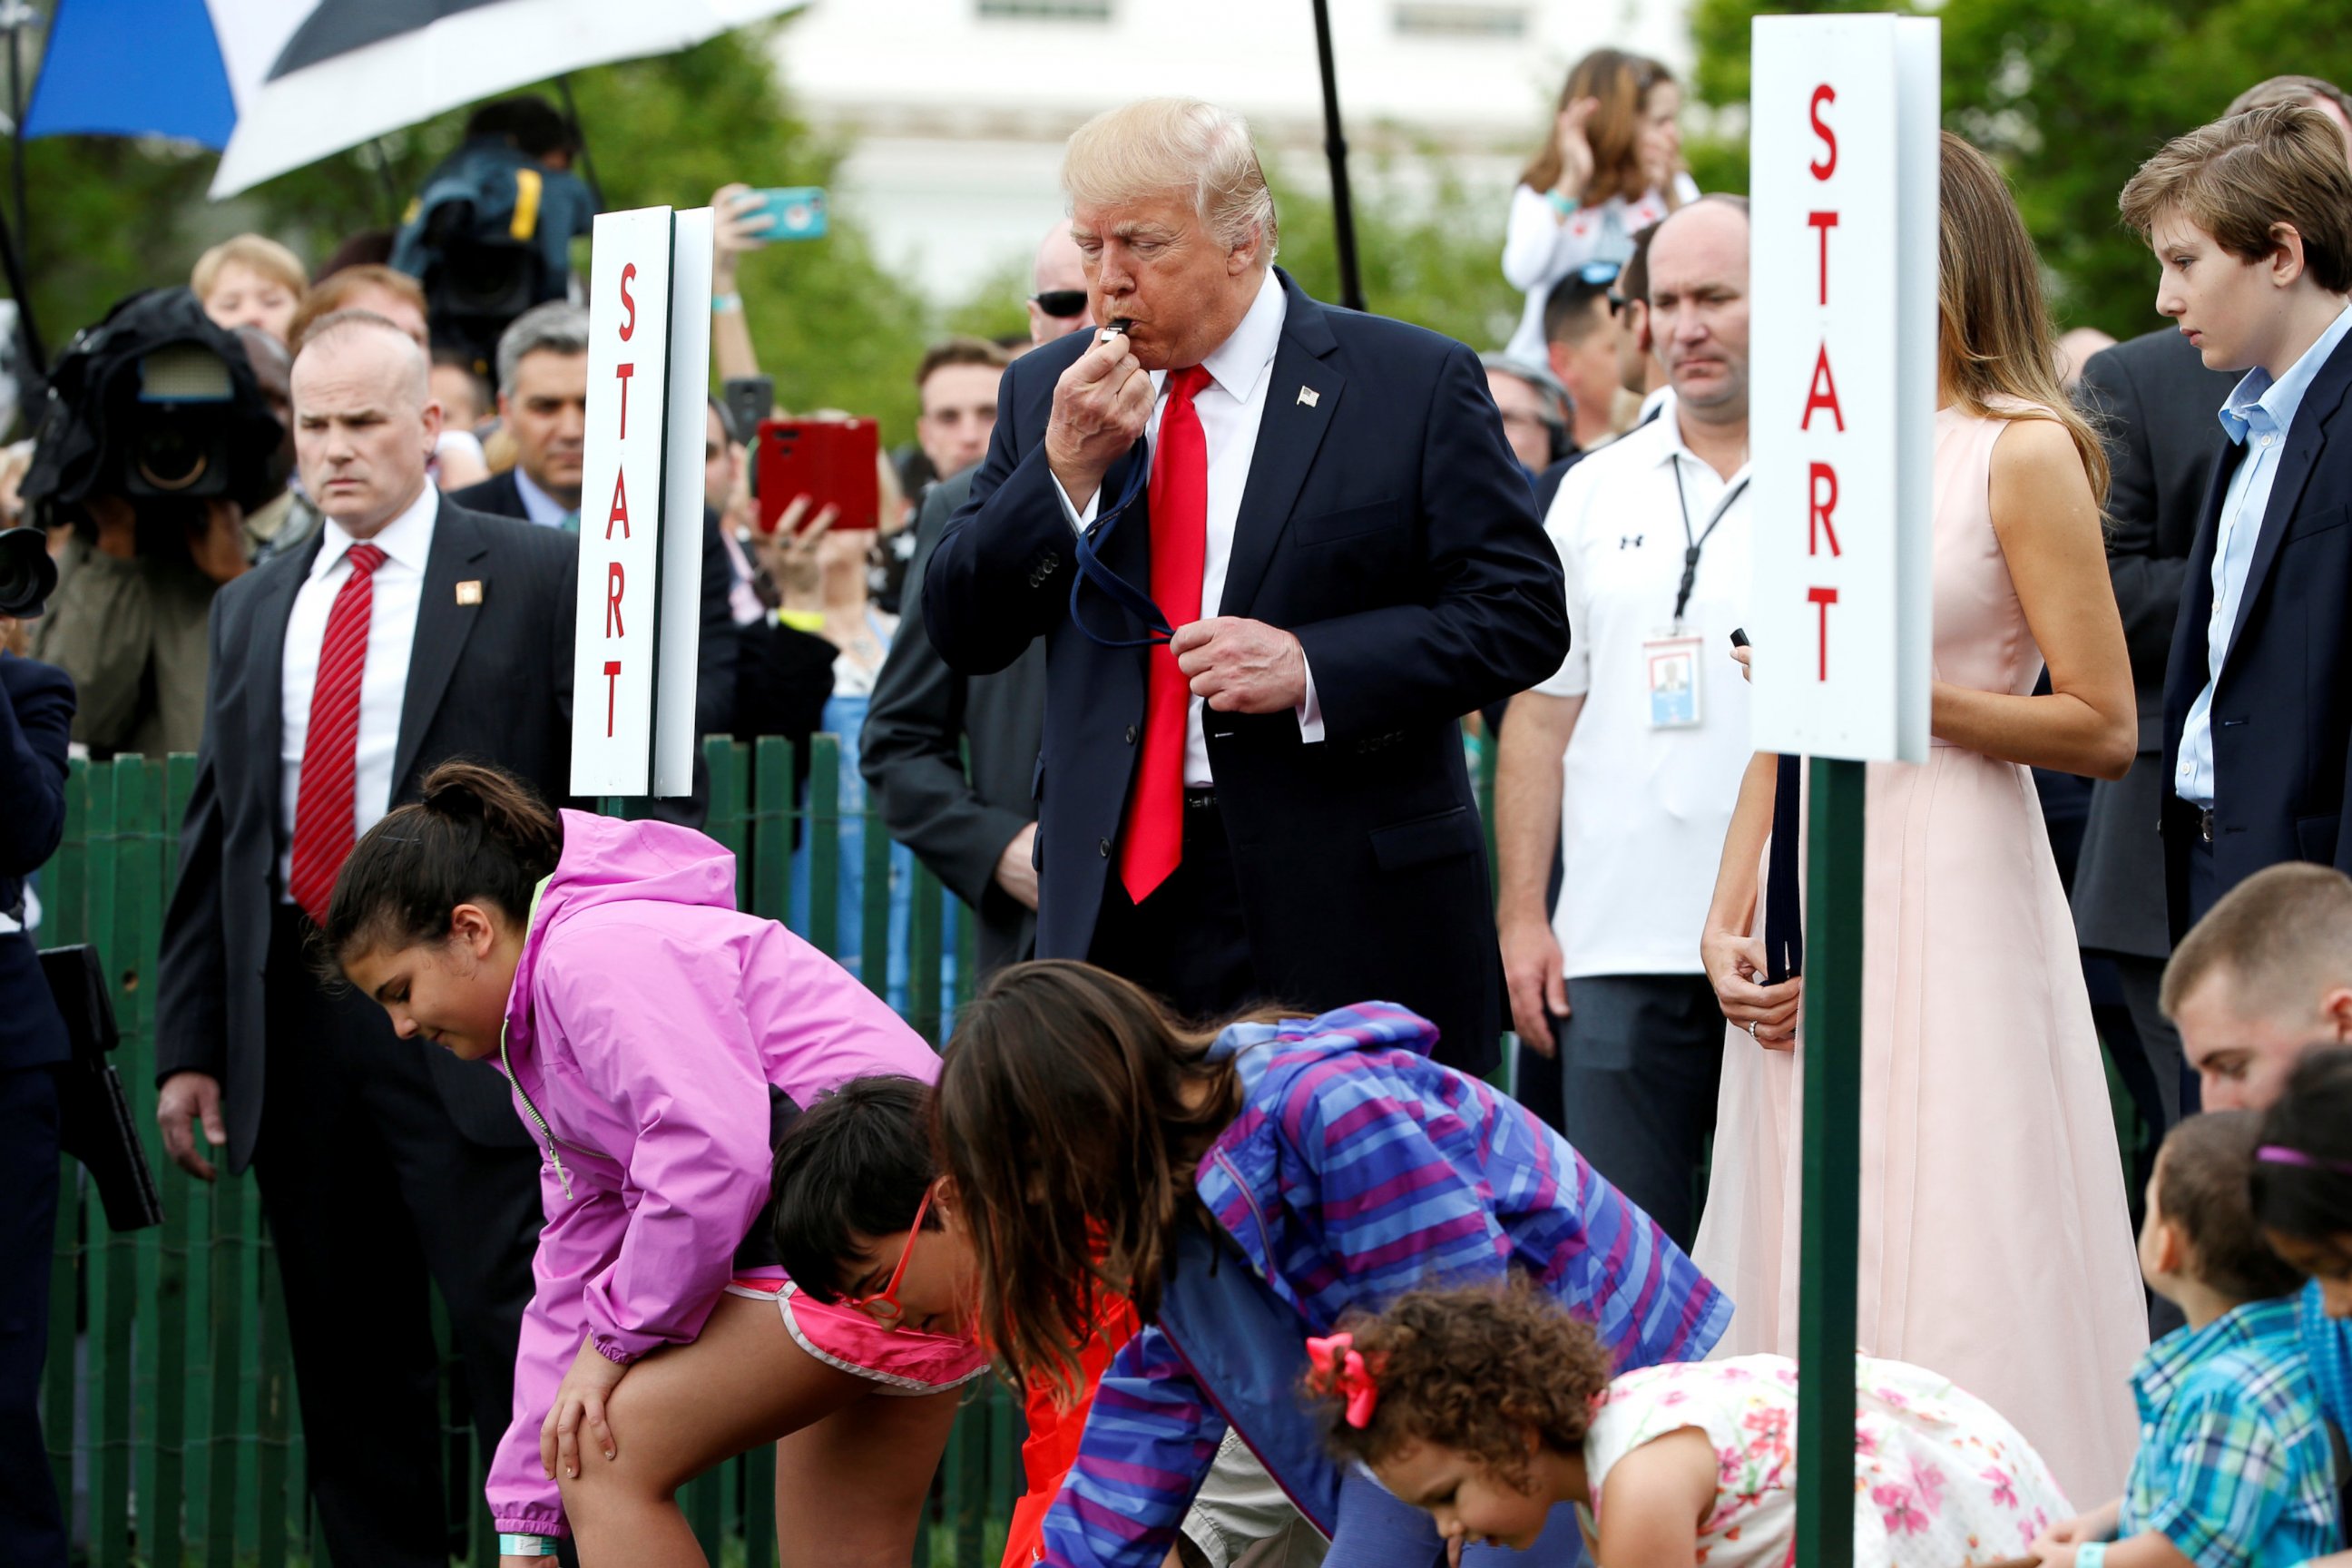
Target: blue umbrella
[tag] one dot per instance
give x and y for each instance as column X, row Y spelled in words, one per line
column 276, row 84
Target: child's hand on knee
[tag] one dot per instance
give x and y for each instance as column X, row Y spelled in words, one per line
column 580, row 1399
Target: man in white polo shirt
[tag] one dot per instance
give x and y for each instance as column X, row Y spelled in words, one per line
column 1632, row 752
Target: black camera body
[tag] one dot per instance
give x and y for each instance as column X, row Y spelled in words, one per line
column 27, row 575
column 159, row 406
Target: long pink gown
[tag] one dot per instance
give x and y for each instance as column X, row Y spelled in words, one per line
column 1996, row 1246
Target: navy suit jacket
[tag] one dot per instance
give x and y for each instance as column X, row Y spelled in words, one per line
column 2283, row 707
column 37, row 708
column 1386, row 525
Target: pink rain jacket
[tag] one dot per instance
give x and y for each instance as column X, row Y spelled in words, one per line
column 648, row 1021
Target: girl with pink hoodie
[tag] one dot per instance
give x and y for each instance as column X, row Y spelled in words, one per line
column 657, row 1040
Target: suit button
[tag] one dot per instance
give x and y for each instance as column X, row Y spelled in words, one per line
column 1131, row 734
column 1104, row 845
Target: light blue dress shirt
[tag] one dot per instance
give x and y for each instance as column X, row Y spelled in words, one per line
column 542, row 508
column 2257, row 415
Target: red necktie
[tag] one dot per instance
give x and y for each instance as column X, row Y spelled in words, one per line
column 326, row 819
column 1180, row 546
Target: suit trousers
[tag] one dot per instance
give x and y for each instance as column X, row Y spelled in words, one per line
column 1641, row 1058
column 1186, row 942
column 32, row 1530
column 374, row 1197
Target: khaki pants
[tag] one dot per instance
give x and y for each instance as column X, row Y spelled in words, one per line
column 1240, row 1519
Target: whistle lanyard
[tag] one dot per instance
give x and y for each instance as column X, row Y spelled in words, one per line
column 1693, row 546
column 1089, row 546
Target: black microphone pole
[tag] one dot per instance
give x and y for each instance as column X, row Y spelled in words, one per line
column 1335, row 146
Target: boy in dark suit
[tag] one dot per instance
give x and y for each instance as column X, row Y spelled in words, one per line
column 2250, row 221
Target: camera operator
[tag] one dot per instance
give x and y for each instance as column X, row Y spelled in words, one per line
column 156, row 442
column 36, row 704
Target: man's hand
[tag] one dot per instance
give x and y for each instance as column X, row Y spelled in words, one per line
column 184, row 1097
column 1532, row 971
column 1241, row 666
column 579, row 1398
column 1101, row 406
column 218, row 547
column 1015, row 873
column 117, row 522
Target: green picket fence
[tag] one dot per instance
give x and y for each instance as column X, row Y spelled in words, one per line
column 169, row 1401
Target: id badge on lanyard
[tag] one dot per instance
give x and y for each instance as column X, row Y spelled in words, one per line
column 1671, row 661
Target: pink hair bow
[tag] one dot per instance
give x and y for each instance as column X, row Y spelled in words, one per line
column 1342, row 1367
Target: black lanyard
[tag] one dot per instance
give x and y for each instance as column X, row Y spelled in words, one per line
column 1692, row 547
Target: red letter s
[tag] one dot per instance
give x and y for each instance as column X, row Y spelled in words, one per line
column 1822, row 94
column 630, row 270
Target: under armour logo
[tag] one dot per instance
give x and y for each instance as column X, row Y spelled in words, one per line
column 1630, row 541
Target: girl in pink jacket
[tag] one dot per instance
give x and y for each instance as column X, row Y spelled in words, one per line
column 657, row 1040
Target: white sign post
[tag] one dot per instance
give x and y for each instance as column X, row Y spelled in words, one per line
column 638, row 627
column 1842, row 140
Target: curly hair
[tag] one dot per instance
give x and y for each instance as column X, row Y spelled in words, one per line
column 1474, row 1368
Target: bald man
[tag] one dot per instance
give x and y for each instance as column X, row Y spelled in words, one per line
column 404, row 632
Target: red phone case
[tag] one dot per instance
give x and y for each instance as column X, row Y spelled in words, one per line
column 831, row 461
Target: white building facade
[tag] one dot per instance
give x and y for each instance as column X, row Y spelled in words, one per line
column 957, row 110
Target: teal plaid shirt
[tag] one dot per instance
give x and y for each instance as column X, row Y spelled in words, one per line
column 2234, row 1465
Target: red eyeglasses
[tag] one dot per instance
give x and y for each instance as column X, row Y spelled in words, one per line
column 882, row 1306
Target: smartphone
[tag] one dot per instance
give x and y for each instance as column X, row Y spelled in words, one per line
column 1739, row 636
column 750, row 399
column 795, row 212
column 832, row 461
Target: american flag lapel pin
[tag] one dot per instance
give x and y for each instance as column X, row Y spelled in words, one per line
column 1309, row 395
column 469, row 592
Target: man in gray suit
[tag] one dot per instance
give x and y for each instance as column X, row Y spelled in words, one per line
column 406, row 631
column 2158, row 407
column 977, row 831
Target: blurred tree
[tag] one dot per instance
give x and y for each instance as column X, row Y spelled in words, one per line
column 2069, row 96
column 833, row 326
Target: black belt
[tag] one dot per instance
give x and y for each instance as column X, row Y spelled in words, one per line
column 1199, row 799
column 2205, row 826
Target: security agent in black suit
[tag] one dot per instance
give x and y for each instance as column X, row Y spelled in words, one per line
column 382, row 1163
column 923, row 721
column 1383, row 555
column 2156, row 403
column 36, row 708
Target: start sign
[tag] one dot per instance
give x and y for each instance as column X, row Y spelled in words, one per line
column 638, row 630
column 1843, row 139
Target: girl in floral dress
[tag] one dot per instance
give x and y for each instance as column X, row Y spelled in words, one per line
column 1492, row 1407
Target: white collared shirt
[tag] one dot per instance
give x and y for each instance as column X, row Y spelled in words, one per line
column 544, row 510
column 399, row 587
column 1643, row 811
column 1231, row 408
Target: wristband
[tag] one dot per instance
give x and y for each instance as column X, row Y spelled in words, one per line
column 526, row 1545
column 2091, row 1553
column 1564, row 206
column 802, row 620
column 726, row 304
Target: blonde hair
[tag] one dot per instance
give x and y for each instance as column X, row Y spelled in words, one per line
column 1623, row 83
column 1994, row 346
column 1163, row 146
column 2242, row 178
column 257, row 252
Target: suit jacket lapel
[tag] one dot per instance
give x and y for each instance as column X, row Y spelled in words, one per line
column 459, row 549
column 2305, row 441
column 266, row 664
column 1288, row 435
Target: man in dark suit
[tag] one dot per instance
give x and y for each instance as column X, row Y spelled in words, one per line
column 2257, row 702
column 410, row 631
column 1326, row 518
column 543, row 403
column 2157, row 403
column 36, row 708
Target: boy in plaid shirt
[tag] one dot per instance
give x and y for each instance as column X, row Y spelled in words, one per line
column 2234, row 1467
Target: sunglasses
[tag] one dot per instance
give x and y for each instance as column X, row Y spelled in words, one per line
column 1062, row 302
column 883, row 1305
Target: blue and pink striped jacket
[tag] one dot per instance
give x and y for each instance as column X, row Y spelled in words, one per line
column 1358, row 1169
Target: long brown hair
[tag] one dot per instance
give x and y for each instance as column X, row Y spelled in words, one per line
column 1621, row 81
column 1070, row 1112
column 1993, row 339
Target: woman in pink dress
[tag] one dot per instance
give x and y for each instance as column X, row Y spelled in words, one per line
column 1995, row 1247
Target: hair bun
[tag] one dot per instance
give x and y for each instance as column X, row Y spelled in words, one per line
column 450, row 792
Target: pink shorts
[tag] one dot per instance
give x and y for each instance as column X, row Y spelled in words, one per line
column 903, row 1361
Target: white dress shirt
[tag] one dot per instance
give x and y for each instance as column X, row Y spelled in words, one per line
column 1231, row 408
column 399, row 588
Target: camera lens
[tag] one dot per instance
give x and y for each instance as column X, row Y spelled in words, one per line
column 27, row 575
column 170, row 456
